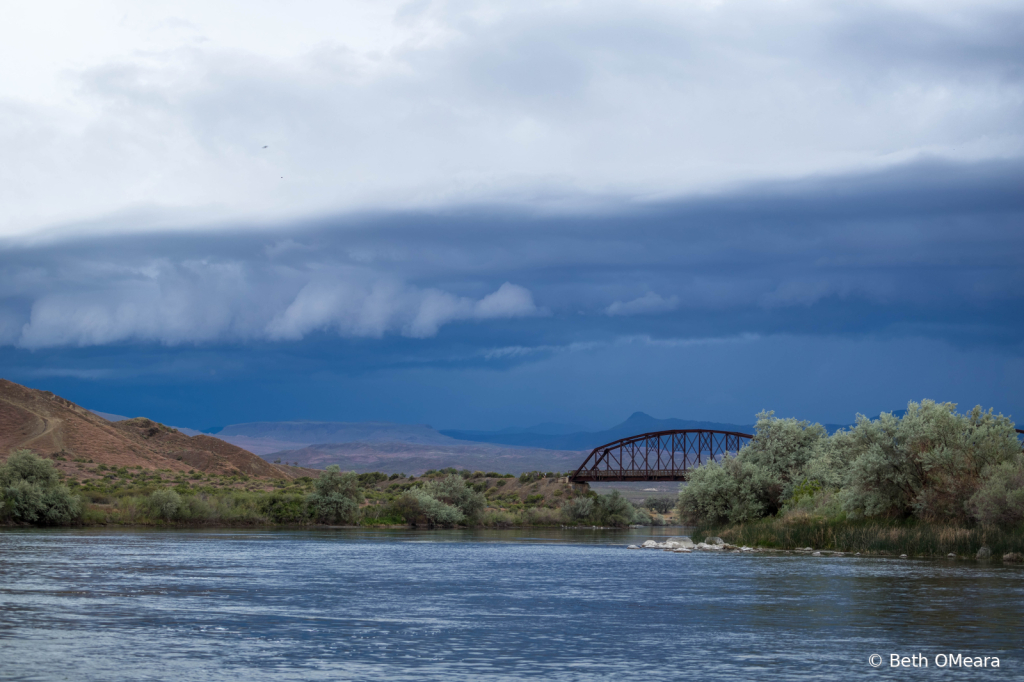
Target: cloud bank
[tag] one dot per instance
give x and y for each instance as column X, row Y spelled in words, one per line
column 927, row 249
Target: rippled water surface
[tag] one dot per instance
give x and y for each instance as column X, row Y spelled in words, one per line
column 477, row 605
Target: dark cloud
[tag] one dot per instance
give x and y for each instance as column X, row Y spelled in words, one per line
column 525, row 212
column 930, row 248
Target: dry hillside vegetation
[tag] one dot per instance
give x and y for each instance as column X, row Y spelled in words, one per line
column 71, row 435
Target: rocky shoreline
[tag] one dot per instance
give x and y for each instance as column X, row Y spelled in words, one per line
column 683, row 544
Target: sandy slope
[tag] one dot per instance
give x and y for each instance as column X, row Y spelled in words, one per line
column 59, row 429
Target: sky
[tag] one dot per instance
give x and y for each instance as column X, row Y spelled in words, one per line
column 482, row 215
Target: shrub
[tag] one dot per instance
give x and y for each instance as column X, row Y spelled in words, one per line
column 285, row 508
column 336, row 496
column 931, row 464
column 641, row 517
column 31, row 492
column 577, row 510
column 164, row 504
column 1000, row 499
column 662, row 505
column 613, row 510
column 780, row 451
column 539, row 516
column 419, row 508
column 371, row 478
column 927, row 464
column 453, row 491
column 729, row 490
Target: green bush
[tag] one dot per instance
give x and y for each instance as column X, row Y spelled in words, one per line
column 1000, row 499
column 932, row 463
column 927, row 464
column 577, row 510
column 452, row 490
column 371, row 478
column 285, row 508
column 662, row 505
column 613, row 510
column 641, row 517
column 336, row 496
column 421, row 509
column 730, row 490
column 31, row 492
column 164, row 504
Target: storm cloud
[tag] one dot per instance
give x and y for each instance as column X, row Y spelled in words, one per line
column 932, row 248
column 537, row 211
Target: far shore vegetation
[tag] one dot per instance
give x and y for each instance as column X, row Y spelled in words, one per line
column 928, row 484
column 32, row 492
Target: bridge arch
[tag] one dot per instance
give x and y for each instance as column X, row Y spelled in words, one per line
column 658, row 456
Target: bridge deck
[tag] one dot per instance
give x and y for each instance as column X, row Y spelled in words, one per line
column 638, row 475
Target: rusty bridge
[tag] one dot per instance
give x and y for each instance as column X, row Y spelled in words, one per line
column 658, row 456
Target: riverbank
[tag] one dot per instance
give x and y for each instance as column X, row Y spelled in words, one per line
column 913, row 538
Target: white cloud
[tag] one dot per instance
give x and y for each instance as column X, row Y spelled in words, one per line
column 357, row 310
column 159, row 112
column 200, row 302
column 648, row 304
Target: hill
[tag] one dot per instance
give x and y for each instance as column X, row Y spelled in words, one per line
column 64, row 432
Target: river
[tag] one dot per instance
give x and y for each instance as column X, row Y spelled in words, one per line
column 480, row 605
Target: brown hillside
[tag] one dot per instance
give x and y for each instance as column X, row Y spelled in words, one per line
column 57, row 428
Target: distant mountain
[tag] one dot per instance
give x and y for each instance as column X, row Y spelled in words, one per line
column 265, row 438
column 637, row 423
column 547, row 429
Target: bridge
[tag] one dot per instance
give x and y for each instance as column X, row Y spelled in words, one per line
column 658, row 456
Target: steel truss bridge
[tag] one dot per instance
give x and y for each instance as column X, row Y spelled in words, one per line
column 658, row 456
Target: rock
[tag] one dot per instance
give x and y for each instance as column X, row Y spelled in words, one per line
column 816, row 554
column 838, row 554
column 951, row 556
column 650, row 543
column 857, row 554
column 746, row 549
column 903, row 556
column 1013, row 558
column 683, row 541
column 713, row 541
column 681, row 551
column 984, row 553
column 632, row 547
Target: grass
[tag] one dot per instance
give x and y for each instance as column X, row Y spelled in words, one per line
column 869, row 536
column 123, row 496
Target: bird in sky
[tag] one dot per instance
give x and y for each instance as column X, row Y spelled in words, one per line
column 264, row 146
